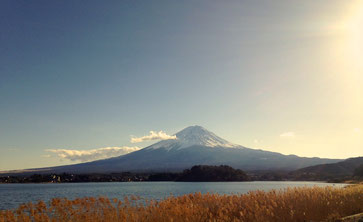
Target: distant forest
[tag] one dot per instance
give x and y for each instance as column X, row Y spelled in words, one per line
column 196, row 173
column 348, row 170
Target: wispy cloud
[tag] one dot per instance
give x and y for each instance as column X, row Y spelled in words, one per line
column 153, row 136
column 94, row 154
column 287, row 135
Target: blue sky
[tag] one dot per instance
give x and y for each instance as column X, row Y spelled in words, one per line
column 282, row 76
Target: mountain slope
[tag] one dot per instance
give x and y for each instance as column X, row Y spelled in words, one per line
column 333, row 170
column 194, row 136
column 194, row 146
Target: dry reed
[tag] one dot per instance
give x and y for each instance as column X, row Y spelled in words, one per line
column 292, row 204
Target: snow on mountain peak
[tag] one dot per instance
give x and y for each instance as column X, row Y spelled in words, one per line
column 191, row 136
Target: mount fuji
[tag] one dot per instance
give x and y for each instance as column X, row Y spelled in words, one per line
column 193, row 145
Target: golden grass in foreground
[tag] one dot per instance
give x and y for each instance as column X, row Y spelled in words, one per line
column 294, row 204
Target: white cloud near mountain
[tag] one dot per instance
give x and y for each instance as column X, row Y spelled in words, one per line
column 287, row 135
column 93, row 154
column 161, row 135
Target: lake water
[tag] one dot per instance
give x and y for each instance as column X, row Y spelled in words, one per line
column 12, row 195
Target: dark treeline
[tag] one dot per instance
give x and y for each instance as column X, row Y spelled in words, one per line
column 202, row 173
column 196, row 173
column 359, row 171
column 328, row 176
column 75, row 178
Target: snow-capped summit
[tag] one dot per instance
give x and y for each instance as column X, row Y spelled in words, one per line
column 193, row 145
column 193, row 136
column 197, row 135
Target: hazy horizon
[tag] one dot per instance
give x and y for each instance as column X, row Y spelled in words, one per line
column 83, row 80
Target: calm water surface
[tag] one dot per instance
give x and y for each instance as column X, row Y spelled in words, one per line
column 11, row 195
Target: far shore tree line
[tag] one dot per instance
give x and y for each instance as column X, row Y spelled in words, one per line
column 198, row 173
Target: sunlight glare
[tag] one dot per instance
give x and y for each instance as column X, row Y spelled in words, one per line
column 355, row 28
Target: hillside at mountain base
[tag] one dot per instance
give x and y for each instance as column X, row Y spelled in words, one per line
column 351, row 168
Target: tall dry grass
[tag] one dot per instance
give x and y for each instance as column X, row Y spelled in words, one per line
column 293, row 204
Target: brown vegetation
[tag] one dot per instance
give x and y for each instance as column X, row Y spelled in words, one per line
column 294, row 204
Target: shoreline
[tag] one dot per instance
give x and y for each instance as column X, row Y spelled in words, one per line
column 294, row 204
column 313, row 181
